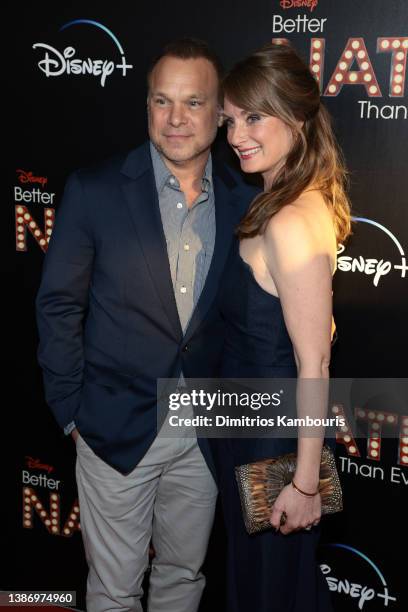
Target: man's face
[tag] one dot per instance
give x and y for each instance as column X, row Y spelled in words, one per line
column 183, row 108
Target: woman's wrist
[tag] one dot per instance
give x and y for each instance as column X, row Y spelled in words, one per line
column 305, row 493
column 308, row 481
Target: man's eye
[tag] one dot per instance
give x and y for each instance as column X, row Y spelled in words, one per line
column 160, row 101
column 195, row 103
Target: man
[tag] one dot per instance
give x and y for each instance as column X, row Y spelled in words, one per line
column 127, row 297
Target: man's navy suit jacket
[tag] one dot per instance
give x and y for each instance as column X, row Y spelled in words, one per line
column 106, row 311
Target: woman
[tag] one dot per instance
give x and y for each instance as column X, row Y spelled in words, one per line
column 277, row 305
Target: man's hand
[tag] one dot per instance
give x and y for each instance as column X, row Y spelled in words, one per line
column 75, row 434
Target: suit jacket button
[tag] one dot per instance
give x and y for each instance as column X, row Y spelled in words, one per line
column 185, row 348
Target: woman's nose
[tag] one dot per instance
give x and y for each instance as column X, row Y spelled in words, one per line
column 236, row 134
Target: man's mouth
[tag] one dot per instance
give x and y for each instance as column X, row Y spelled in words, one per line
column 177, row 135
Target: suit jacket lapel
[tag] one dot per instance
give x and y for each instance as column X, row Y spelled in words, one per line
column 143, row 204
column 226, row 218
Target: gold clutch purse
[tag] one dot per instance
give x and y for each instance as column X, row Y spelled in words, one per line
column 260, row 483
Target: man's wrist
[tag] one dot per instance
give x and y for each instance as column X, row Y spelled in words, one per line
column 69, row 428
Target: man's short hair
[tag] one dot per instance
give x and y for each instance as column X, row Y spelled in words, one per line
column 188, row 48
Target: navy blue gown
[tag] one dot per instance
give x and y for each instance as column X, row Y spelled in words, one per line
column 266, row 572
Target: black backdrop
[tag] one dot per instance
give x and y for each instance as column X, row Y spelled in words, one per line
column 65, row 121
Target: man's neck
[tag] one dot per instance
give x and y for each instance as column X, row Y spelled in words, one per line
column 190, row 173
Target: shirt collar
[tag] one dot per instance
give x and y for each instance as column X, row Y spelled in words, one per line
column 163, row 176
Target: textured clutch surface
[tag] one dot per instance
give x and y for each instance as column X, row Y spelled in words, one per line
column 260, row 483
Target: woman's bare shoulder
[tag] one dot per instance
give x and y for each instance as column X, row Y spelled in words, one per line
column 301, row 229
column 291, row 222
column 306, row 215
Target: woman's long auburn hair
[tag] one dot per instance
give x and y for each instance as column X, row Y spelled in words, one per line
column 275, row 81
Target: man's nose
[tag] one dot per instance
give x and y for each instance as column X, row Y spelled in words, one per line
column 177, row 115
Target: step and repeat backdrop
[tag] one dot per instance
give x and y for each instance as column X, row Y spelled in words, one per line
column 79, row 95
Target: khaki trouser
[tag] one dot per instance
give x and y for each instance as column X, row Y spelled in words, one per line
column 170, row 497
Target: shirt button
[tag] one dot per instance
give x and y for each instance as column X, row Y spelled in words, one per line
column 179, row 205
column 183, row 289
column 186, row 247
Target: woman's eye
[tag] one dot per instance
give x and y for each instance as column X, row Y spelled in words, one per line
column 228, row 122
column 253, row 118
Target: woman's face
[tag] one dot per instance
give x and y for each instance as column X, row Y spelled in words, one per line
column 262, row 142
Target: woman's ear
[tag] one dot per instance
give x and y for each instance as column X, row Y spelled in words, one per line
column 296, row 130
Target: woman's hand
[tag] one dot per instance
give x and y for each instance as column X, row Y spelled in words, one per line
column 300, row 512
